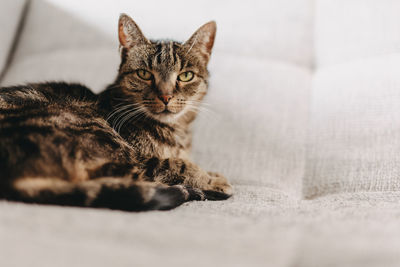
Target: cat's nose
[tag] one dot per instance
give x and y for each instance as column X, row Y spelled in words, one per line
column 165, row 98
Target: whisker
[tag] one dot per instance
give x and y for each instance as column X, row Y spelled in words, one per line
column 202, row 111
column 121, row 119
column 128, row 118
column 138, row 116
column 119, row 109
column 200, row 106
column 123, row 99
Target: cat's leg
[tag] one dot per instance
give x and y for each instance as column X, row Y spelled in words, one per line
column 106, row 192
column 173, row 171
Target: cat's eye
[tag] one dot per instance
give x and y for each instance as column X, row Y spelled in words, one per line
column 186, row 76
column 144, row 74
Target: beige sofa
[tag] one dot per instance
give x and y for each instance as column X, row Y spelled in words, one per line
column 304, row 120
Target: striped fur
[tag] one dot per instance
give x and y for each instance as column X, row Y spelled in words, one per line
column 122, row 149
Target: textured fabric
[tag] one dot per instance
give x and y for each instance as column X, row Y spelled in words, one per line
column 95, row 68
column 348, row 30
column 255, row 131
column 257, row 227
column 282, row 29
column 46, row 53
column 10, row 16
column 354, row 137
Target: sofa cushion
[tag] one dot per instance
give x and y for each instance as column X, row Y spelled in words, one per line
column 355, row 135
column 348, row 30
column 46, row 53
column 97, row 67
column 255, row 133
column 257, row 227
column 10, row 16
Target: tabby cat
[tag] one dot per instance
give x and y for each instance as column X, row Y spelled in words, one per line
column 126, row 148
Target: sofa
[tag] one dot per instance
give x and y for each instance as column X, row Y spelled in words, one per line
column 302, row 116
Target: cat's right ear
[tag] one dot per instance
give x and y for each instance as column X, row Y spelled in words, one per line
column 129, row 33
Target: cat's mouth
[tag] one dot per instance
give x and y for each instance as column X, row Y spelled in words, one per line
column 166, row 111
column 166, row 115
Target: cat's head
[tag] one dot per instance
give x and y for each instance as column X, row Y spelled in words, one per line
column 163, row 79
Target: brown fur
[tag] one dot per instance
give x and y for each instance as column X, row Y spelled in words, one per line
column 127, row 148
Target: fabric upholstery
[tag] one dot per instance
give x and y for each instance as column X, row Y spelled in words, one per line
column 264, row 29
column 354, row 134
column 255, row 131
column 257, row 228
column 356, row 29
column 10, row 16
column 302, row 117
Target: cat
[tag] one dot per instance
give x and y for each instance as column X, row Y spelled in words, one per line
column 126, row 148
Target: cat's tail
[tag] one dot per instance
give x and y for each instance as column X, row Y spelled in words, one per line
column 108, row 192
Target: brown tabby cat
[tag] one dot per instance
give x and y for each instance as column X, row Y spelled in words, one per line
column 126, row 148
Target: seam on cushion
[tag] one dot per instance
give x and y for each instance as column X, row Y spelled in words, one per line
column 55, row 51
column 366, row 60
column 313, row 59
column 314, row 67
column 16, row 38
column 356, row 193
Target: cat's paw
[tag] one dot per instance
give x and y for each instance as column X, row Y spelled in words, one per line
column 218, row 183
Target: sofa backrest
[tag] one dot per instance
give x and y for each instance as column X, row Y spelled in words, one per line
column 10, row 17
column 273, row 30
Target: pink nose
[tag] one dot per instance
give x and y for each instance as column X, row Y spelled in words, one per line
column 165, row 98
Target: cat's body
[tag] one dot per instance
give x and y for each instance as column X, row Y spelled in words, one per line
column 127, row 148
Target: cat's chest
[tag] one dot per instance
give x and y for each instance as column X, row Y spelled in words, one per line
column 177, row 147
column 164, row 152
column 162, row 144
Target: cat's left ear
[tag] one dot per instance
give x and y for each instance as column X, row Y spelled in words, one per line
column 129, row 32
column 203, row 39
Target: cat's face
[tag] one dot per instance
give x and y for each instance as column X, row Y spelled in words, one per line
column 164, row 79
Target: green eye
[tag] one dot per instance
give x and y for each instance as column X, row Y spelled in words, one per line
column 144, row 74
column 186, row 76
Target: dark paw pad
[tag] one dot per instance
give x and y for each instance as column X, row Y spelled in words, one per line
column 195, row 194
column 215, row 195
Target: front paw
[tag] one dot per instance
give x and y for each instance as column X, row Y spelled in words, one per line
column 218, row 183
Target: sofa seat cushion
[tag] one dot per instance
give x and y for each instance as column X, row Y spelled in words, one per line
column 257, row 227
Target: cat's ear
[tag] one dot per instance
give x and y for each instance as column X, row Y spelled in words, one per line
column 129, row 33
column 203, row 39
